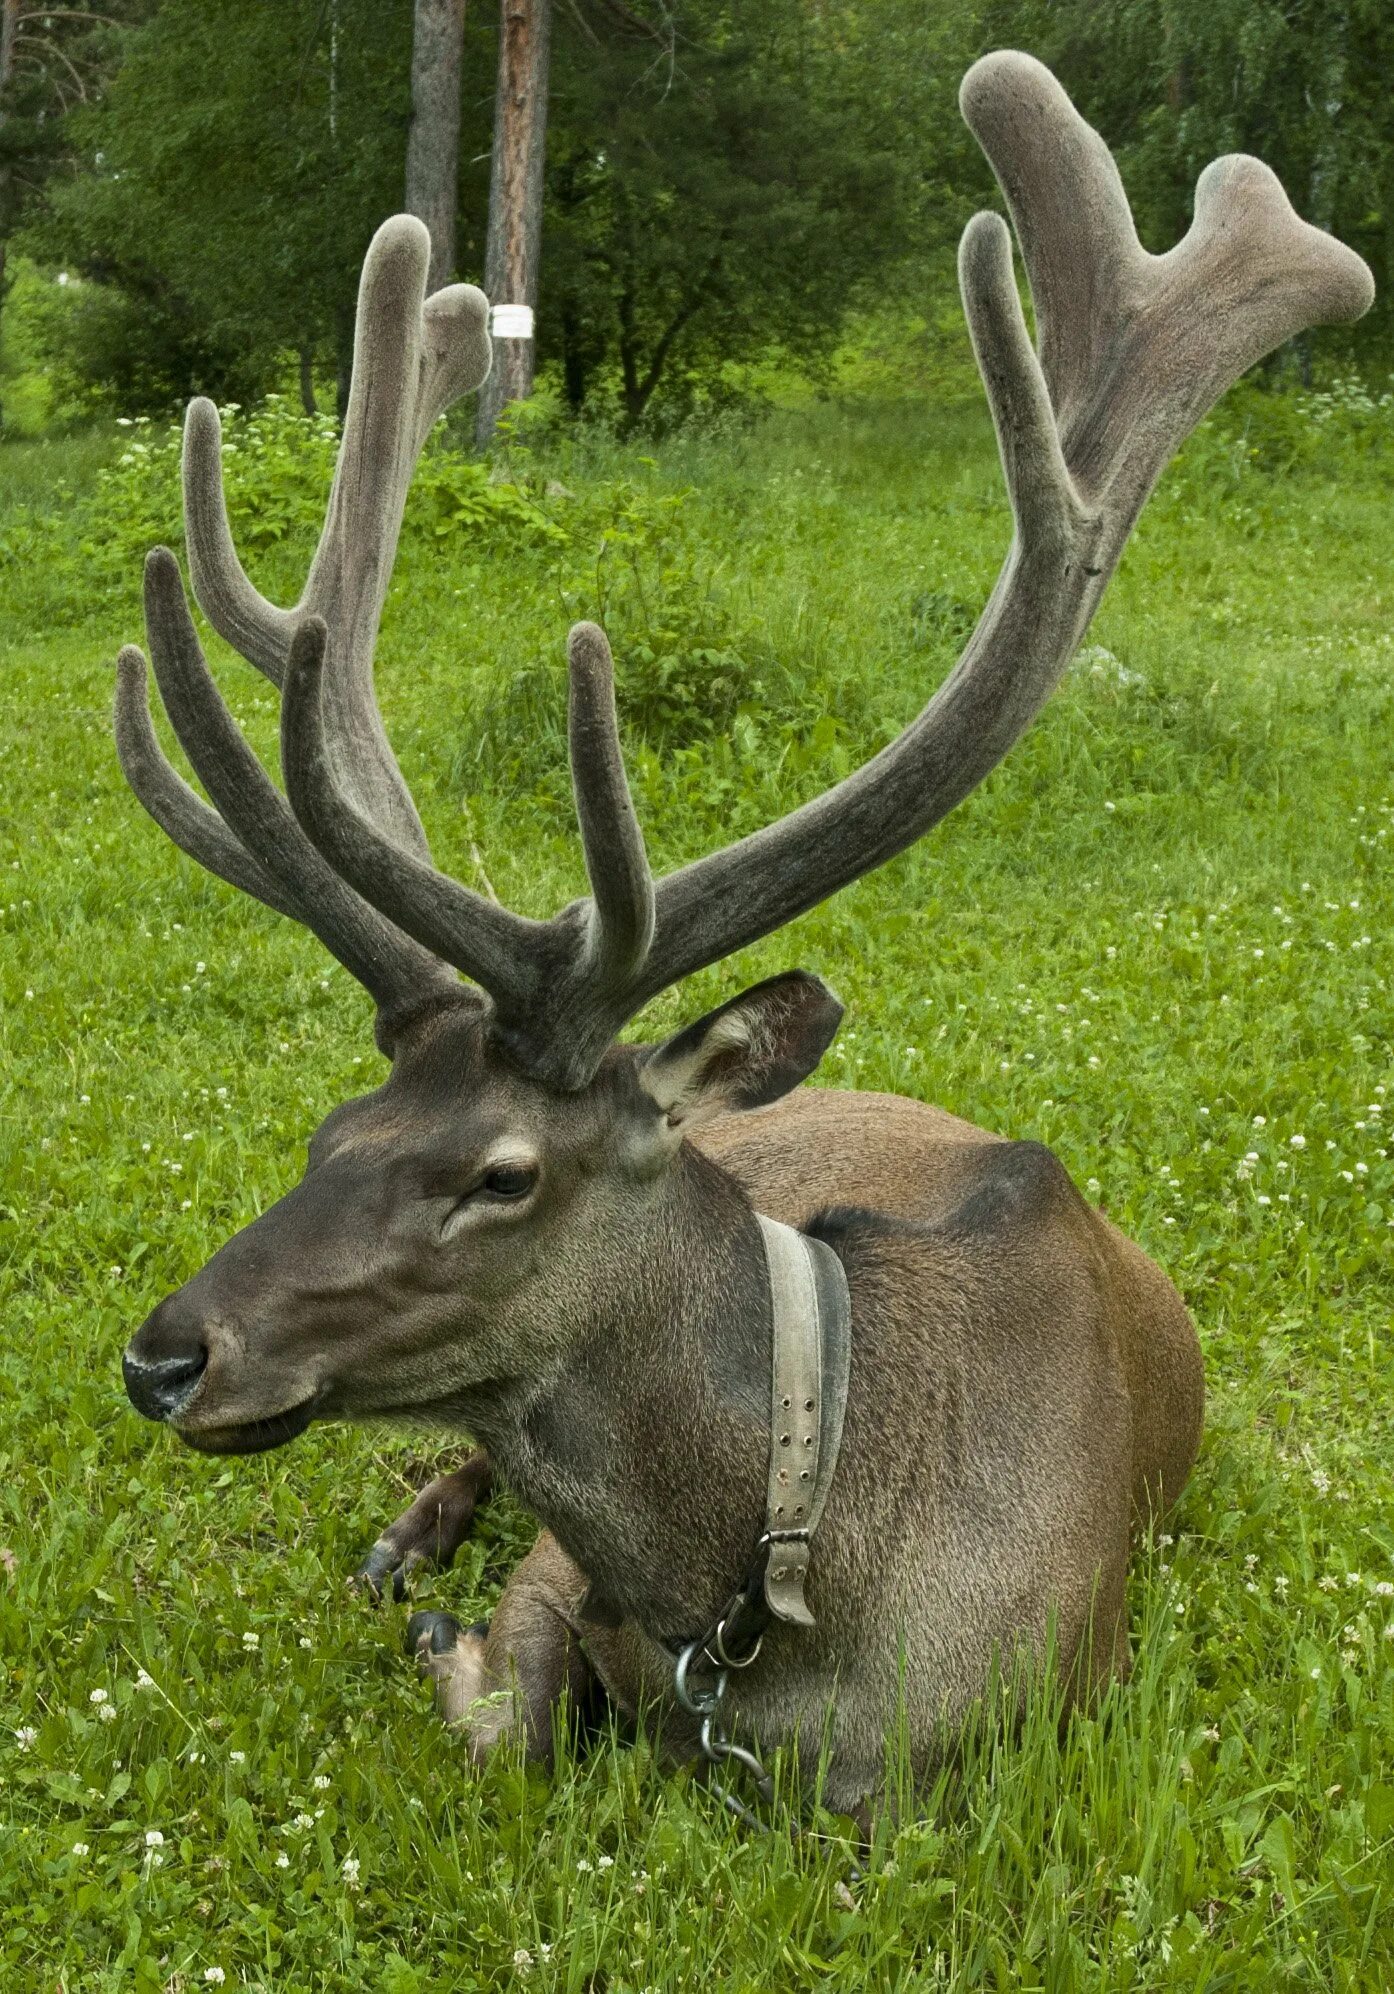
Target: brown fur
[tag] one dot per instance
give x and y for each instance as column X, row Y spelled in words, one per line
column 1031, row 1361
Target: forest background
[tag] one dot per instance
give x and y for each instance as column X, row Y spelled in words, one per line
column 187, row 187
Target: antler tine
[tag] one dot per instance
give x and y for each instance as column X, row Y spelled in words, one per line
column 180, row 812
column 500, row 950
column 616, row 863
column 1045, row 503
column 237, row 611
column 393, row 969
column 412, row 357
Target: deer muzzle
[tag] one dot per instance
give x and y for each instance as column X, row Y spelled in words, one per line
column 190, row 1373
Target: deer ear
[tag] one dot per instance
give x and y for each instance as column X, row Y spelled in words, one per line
column 750, row 1051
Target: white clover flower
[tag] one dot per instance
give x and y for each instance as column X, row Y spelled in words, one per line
column 1264, row 1199
column 82, row 1848
column 306, row 1642
column 1352, row 1578
column 1315, row 1671
column 144, row 1680
column 584, row 1868
column 605, row 1862
column 1297, row 1142
column 283, row 1860
column 237, row 1758
column 303, row 1821
column 323, row 1782
column 1383, row 1589
column 26, row 1736
column 349, row 1868
column 214, row 1975
column 251, row 1640
column 106, row 1713
column 1260, row 1121
column 97, row 1696
column 154, row 1839
column 522, row 1960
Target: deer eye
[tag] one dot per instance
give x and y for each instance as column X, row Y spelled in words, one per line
column 513, row 1180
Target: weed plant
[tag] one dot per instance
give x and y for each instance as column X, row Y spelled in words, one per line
column 1157, row 939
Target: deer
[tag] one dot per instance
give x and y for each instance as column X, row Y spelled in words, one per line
column 580, row 1253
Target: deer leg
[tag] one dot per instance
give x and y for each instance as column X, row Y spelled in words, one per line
column 430, row 1532
column 505, row 1677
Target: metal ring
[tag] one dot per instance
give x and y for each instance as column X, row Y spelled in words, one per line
column 718, row 1652
column 697, row 1702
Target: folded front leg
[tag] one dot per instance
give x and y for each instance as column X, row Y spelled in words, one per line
column 430, row 1532
column 509, row 1675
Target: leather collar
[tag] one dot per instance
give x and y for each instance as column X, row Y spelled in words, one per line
column 812, row 1348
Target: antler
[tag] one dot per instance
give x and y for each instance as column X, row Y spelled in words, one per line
column 1133, row 349
column 413, row 356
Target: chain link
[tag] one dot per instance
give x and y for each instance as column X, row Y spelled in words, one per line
column 705, row 1701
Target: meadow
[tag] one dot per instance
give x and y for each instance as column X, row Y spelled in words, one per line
column 1158, row 939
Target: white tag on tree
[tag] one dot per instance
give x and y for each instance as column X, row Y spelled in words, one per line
column 511, row 321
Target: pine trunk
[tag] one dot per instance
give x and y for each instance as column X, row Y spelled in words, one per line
column 433, row 138
column 515, row 196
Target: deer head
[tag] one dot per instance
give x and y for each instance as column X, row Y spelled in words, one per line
column 456, row 1226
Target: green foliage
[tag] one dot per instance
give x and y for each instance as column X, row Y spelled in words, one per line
column 728, row 202
column 1158, row 939
column 230, row 182
column 277, row 469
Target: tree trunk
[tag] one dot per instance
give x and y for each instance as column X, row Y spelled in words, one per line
column 515, row 197
column 433, row 138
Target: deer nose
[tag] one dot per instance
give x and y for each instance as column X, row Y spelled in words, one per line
column 162, row 1365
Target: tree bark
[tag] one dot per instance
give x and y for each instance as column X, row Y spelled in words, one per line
column 515, row 196
column 433, row 138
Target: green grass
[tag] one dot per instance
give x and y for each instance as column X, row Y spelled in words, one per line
column 1158, row 939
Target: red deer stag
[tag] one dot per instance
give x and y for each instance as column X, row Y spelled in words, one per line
column 561, row 1246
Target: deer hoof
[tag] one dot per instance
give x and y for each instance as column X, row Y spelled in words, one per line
column 451, row 1657
column 432, row 1633
column 386, row 1569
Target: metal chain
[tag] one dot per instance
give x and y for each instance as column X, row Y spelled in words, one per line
column 705, row 1703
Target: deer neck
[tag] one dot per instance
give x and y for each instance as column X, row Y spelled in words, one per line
column 646, row 1452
